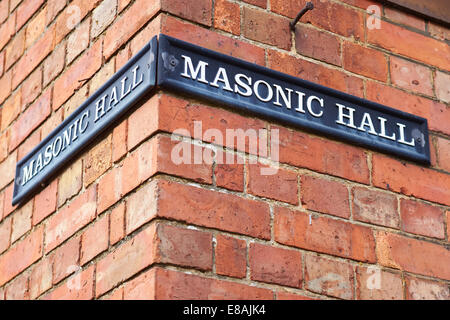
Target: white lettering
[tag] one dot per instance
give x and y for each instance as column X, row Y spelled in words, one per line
column 248, row 90
column 367, row 121
column 201, row 68
column 269, row 91
column 286, row 99
column 401, row 128
column 349, row 116
column 100, row 107
column 309, row 106
column 222, row 77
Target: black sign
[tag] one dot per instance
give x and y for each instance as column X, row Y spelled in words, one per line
column 296, row 102
column 98, row 112
column 203, row 73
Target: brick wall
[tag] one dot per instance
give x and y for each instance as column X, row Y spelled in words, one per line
column 122, row 221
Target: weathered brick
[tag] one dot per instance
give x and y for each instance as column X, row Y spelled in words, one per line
column 31, row 87
column 318, row 45
column 302, row 150
column 21, row 221
column 289, row 8
column 231, row 256
column 18, row 289
column 21, row 255
column 373, row 283
column 183, row 247
column 45, row 202
column 65, row 259
column 70, row 219
column 82, row 69
column 26, row 10
column 261, row 26
column 4, row 10
column 15, row 49
column 174, row 285
column 75, row 101
column 53, row 8
column 438, row 31
column 403, row 41
column 78, row 40
column 199, row 11
column 40, row 278
column 284, row 295
column 115, row 295
column 5, row 86
column 124, row 27
column 102, row 76
column 212, row 40
column 7, row 205
column 11, row 109
column 375, row 207
column 229, row 173
column 400, row 177
column 28, row 145
column 2, row 62
column 54, row 64
column 103, row 16
column 325, row 196
column 123, row 4
column 109, row 189
column 324, row 235
column 420, row 289
column 443, row 154
column 412, row 255
column 95, row 239
column 97, row 160
column 4, row 137
column 123, row 56
column 411, row 76
column 317, row 73
column 227, row 16
column 7, row 29
column 363, row 4
column 442, row 84
column 365, row 61
column 284, row 266
column 274, row 183
column 119, row 141
column 117, row 224
column 33, row 57
column 330, row 277
column 404, row 18
column 5, row 234
column 70, row 182
column 77, row 287
column 422, row 218
column 7, row 168
column 140, row 288
column 36, row 27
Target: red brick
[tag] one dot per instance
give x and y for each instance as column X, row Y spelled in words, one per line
column 443, row 154
column 330, row 277
column 4, row 137
column 440, row 117
column 282, row 295
column 31, row 87
column 231, row 256
column 289, row 8
column 14, row 49
column 198, row 11
column 40, row 278
column 122, row 57
column 363, row 4
column 183, row 247
column 324, row 235
column 115, row 295
column 128, row 259
column 123, row 4
column 274, row 183
column 442, row 83
column 284, row 266
column 213, row 209
column 422, row 218
column 375, row 207
column 212, row 40
column 448, row 225
column 174, row 285
column 18, row 289
column 109, row 189
column 21, row 221
column 5, row 234
column 4, row 10
column 318, row 45
column 313, row 72
column 438, row 31
column 53, row 8
column 411, row 76
column 227, row 16
column 143, row 122
column 36, row 27
column 7, row 29
column 2, row 204
column 140, row 288
column 70, row 182
column 404, row 18
column 95, row 239
column 21, row 255
column 11, row 109
column 373, row 283
column 119, row 141
column 420, row 289
column 229, row 174
column 65, row 259
column 102, row 16
column 131, row 21
column 266, row 28
column 5, row 86
column 301, row 150
column 77, row 287
column 83, row 68
column 402, row 177
column 403, row 41
column 70, row 219
column 26, row 10
column 2, row 62
column 7, row 206
column 45, row 203
column 31, row 142
column 117, row 224
column 8, row 169
column 97, row 160
column 34, row 56
column 325, row 196
column 413, row 255
column 78, row 40
column 365, row 61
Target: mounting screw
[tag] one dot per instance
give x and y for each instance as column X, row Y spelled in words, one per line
column 308, row 6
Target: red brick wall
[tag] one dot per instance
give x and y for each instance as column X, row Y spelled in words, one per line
column 124, row 222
